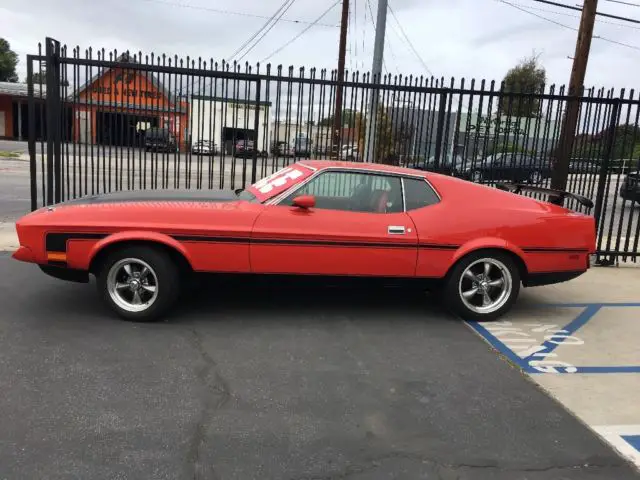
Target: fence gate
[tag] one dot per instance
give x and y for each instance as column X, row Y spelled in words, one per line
column 108, row 121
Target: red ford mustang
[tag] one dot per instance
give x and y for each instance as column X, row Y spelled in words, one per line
column 314, row 218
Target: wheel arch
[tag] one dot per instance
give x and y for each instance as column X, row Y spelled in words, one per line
column 165, row 243
column 492, row 245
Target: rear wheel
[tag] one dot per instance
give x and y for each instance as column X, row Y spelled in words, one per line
column 139, row 283
column 483, row 286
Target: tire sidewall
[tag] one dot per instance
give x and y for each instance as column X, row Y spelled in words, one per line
column 167, row 277
column 452, row 294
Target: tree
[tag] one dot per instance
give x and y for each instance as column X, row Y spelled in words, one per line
column 526, row 77
column 8, row 62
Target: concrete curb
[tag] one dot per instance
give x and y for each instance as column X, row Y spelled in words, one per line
column 8, row 237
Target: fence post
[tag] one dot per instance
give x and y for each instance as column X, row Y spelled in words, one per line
column 604, row 166
column 256, row 128
column 31, row 134
column 54, row 167
column 440, row 129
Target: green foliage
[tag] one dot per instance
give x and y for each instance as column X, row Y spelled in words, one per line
column 8, row 62
column 626, row 143
column 526, row 77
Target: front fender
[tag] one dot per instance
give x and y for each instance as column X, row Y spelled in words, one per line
column 137, row 236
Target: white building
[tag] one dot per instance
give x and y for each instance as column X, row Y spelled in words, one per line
column 224, row 121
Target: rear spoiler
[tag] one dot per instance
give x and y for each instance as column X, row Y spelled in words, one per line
column 519, row 187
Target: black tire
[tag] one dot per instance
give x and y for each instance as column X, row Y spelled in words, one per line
column 163, row 269
column 453, row 287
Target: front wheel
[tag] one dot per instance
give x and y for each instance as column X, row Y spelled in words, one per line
column 139, row 283
column 483, row 286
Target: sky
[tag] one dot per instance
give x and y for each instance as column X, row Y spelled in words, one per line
column 454, row 38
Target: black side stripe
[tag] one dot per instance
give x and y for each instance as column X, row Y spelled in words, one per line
column 57, row 242
column 553, row 250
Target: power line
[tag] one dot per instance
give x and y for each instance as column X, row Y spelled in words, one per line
column 578, row 9
column 546, row 10
column 260, row 30
column 567, row 26
column 241, row 14
column 291, row 2
column 409, row 42
column 623, row 3
column 278, row 50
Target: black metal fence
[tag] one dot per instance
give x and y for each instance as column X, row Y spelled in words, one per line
column 122, row 120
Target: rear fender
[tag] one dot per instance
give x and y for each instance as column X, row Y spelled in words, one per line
column 137, row 236
column 485, row 243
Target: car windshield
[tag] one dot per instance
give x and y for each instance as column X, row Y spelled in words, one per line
column 279, row 181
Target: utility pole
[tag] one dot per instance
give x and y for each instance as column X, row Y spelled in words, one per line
column 376, row 71
column 342, row 52
column 576, row 84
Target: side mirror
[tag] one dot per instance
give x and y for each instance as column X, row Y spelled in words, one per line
column 304, row 201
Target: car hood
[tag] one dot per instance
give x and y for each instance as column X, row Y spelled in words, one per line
column 156, row 196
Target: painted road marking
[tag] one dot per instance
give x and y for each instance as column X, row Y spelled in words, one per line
column 519, row 342
column 624, row 438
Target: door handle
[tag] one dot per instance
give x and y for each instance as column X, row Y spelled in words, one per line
column 395, row 230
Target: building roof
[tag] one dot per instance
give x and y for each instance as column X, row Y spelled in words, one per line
column 21, row 89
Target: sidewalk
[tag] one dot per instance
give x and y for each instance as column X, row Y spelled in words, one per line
column 8, row 238
column 579, row 342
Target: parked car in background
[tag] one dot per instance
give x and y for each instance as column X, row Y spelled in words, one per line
column 583, row 166
column 350, row 153
column 243, row 148
column 160, row 139
column 281, row 149
column 447, row 165
column 204, row 147
column 514, row 167
column 302, row 148
column 630, row 188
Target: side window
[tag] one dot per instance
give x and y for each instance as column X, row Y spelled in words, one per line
column 353, row 191
column 418, row 194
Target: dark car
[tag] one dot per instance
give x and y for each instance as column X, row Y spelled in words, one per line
column 514, row 167
column 160, row 139
column 446, row 166
column 630, row 188
column 583, row 166
column 243, row 148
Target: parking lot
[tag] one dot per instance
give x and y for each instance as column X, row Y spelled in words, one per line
column 252, row 381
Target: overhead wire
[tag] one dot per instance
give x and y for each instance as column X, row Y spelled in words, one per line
column 554, row 12
column 409, row 41
column 634, row 47
column 278, row 13
column 305, row 30
column 623, row 3
column 241, row 14
column 562, row 5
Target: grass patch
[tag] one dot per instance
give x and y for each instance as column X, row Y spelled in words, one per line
column 9, row 154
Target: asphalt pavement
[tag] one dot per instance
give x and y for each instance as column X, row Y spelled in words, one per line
column 247, row 382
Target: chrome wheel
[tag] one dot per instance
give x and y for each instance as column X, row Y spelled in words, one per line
column 485, row 285
column 132, row 284
column 477, row 176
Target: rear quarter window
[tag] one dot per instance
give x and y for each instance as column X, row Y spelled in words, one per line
column 418, row 194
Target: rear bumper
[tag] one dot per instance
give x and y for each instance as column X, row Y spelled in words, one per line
column 550, row 278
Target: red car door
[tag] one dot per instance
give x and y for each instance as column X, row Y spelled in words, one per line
column 357, row 227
